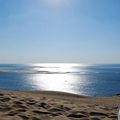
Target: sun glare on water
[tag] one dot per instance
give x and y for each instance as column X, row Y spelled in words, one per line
column 57, row 77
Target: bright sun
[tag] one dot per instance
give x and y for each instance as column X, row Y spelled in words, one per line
column 56, row 3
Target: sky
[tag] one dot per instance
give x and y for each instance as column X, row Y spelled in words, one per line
column 60, row 31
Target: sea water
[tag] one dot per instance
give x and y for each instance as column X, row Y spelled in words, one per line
column 91, row 80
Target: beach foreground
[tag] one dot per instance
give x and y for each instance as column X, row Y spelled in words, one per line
column 24, row 105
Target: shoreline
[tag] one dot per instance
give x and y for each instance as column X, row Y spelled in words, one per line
column 51, row 105
column 49, row 92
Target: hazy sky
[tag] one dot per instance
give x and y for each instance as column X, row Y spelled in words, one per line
column 82, row 31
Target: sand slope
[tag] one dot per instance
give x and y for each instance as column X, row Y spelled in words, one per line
column 15, row 105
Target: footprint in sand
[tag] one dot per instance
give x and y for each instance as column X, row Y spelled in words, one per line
column 64, row 108
column 56, row 110
column 35, row 118
column 5, row 109
column 43, row 105
column 41, row 112
column 31, row 103
column 17, row 102
column 77, row 114
column 24, row 117
column 3, row 99
column 12, row 113
column 19, row 106
column 1, row 94
column 98, row 114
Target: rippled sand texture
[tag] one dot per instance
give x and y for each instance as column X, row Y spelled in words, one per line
column 15, row 105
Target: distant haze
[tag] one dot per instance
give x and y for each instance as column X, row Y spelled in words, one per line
column 60, row 31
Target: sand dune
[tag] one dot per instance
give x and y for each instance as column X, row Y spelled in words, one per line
column 16, row 105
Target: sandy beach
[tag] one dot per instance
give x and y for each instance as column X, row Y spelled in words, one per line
column 32, row 105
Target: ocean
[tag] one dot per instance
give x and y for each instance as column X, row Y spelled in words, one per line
column 88, row 80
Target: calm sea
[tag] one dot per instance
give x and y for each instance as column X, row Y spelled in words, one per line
column 92, row 80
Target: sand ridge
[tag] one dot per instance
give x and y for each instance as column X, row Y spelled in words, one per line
column 28, row 105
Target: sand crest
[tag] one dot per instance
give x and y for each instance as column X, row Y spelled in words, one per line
column 16, row 105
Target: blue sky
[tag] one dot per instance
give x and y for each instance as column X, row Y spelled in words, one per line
column 73, row 31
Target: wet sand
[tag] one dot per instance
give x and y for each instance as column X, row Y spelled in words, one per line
column 33, row 105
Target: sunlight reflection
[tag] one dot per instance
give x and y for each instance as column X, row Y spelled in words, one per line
column 58, row 82
column 59, row 77
column 62, row 68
